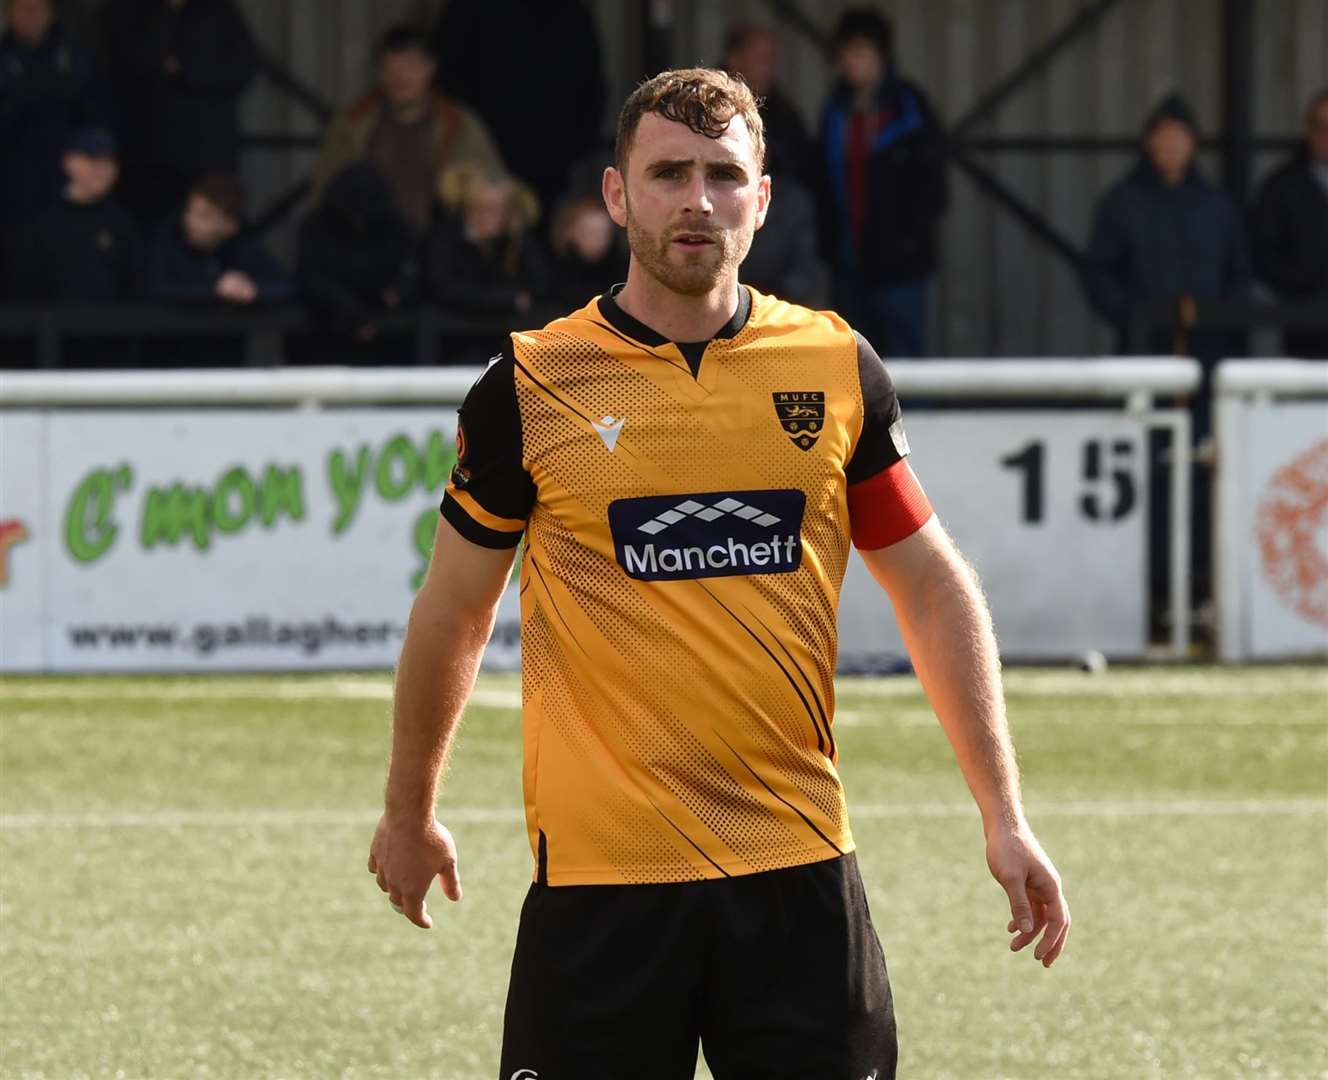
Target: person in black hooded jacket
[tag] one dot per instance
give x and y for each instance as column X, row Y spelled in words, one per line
column 1290, row 230
column 179, row 68
column 884, row 188
column 481, row 258
column 1163, row 233
column 47, row 89
column 354, row 265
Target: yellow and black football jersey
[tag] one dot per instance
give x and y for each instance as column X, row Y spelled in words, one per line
column 687, row 511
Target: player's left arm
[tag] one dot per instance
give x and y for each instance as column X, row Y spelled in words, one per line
column 947, row 629
column 948, row 632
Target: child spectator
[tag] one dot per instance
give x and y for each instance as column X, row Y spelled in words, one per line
column 204, row 254
column 589, row 253
column 355, row 265
column 481, row 258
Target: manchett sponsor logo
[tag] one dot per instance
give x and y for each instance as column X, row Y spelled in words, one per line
column 708, row 534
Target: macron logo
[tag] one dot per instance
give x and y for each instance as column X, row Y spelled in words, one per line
column 609, row 429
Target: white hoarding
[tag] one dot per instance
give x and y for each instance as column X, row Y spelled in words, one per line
column 288, row 539
column 1284, row 544
column 217, row 539
column 1051, row 509
column 23, row 560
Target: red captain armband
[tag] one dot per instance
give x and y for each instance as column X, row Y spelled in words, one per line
column 887, row 507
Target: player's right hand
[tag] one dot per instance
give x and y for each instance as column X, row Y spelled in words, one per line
column 405, row 857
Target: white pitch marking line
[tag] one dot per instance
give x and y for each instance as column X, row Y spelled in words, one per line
column 167, row 819
column 314, row 690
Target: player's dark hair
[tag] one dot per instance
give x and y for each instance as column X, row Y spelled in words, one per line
column 704, row 99
column 403, row 37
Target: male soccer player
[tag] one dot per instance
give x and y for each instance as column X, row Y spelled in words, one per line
column 688, row 462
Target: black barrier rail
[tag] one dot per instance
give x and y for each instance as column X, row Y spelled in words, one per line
column 51, row 325
column 1176, row 317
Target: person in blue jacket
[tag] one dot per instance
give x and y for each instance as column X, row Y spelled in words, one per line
column 884, row 188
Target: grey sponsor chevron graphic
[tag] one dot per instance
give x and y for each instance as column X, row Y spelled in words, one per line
column 691, row 508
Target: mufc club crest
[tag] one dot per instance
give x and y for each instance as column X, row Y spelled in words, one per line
column 801, row 414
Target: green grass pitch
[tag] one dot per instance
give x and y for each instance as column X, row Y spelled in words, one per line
column 183, row 889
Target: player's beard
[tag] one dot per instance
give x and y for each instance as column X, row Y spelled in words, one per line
column 694, row 276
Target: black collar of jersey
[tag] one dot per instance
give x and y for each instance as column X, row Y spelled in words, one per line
column 639, row 331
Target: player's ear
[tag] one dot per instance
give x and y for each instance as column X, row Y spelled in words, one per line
column 614, row 186
column 762, row 200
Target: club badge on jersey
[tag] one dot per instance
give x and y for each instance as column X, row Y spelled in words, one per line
column 801, row 414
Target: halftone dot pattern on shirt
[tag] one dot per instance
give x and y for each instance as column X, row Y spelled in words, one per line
column 681, row 728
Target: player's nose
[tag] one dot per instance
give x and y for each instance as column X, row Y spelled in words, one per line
column 696, row 198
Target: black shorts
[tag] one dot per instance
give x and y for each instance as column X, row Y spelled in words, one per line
column 778, row 974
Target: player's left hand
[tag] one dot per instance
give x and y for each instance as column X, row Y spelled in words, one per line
column 1037, row 903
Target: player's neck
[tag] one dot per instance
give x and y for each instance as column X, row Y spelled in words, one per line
column 673, row 315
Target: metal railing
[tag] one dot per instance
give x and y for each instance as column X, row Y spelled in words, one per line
column 51, row 325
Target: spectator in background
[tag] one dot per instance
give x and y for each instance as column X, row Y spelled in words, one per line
column 752, row 51
column 355, row 265
column 533, row 69
column 481, row 258
column 408, row 130
column 205, row 255
column 1290, row 232
column 1164, row 234
column 784, row 259
column 86, row 248
column 46, row 89
column 589, row 253
column 180, row 67
column 884, row 190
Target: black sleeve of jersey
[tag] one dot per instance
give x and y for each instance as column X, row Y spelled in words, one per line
column 882, row 441
column 490, row 494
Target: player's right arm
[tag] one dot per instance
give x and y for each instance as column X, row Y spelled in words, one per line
column 449, row 625
column 484, row 516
